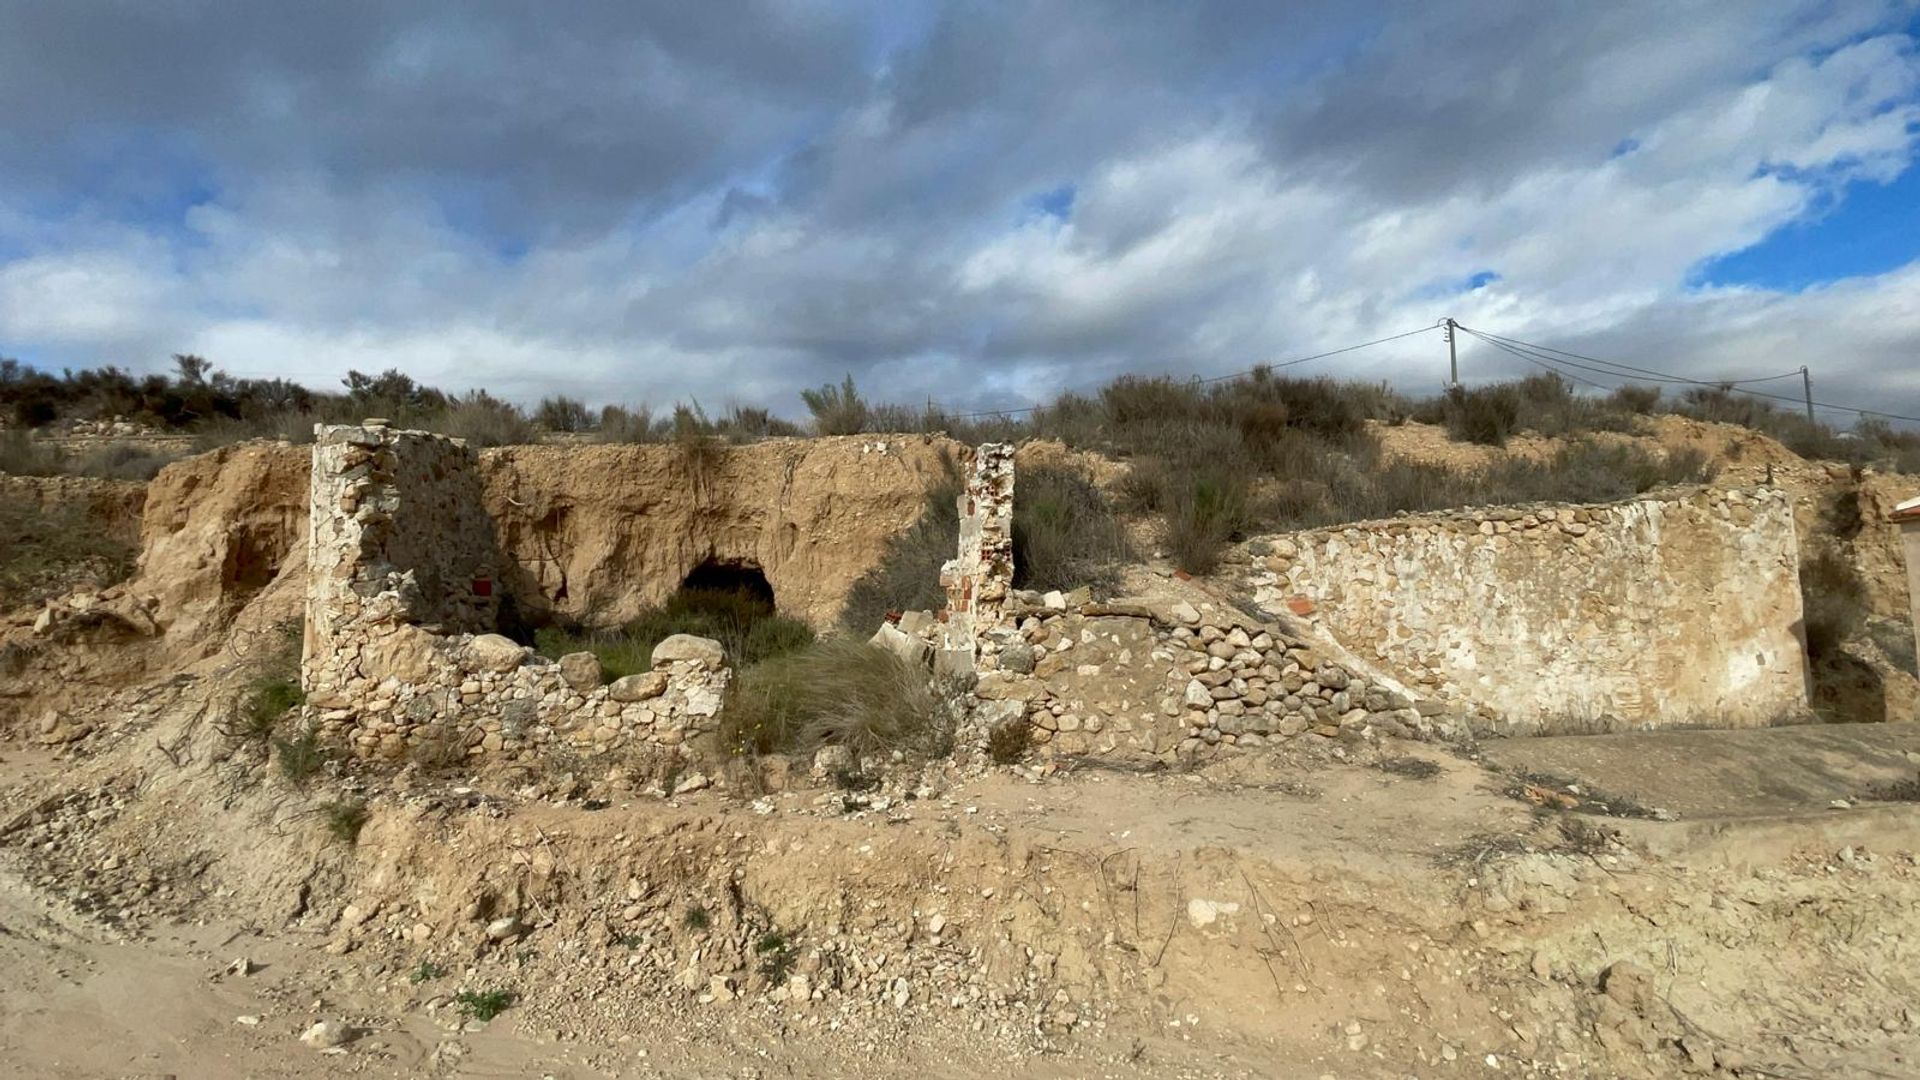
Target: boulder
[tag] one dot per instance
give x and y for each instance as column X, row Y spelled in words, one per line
column 641, row 687
column 581, row 670
column 492, row 652
column 688, row 647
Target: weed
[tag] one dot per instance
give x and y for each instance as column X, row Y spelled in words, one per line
column 46, row 552
column 619, row 424
column 837, row 410
column 632, row 941
column 835, row 692
column 696, row 919
column 746, row 625
column 345, row 819
column 300, row 756
column 1065, row 534
column 483, row 1005
column 425, row 971
column 561, row 413
column 1904, row 790
column 776, row 956
column 483, row 420
column 1008, row 743
column 701, row 450
column 1410, row 768
column 269, row 699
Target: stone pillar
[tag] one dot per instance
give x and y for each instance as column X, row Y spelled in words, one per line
column 1907, row 516
column 978, row 580
column 396, row 534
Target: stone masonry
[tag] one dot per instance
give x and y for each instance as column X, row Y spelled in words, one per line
column 397, row 662
column 1675, row 608
column 978, row 580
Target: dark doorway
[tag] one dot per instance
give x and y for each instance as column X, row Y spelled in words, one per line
column 731, row 576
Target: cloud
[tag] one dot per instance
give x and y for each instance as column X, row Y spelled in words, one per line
column 729, row 206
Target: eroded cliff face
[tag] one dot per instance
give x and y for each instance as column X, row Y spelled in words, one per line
column 596, row 533
column 218, row 529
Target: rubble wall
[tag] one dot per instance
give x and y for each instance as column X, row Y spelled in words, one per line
column 398, row 659
column 1133, row 679
column 1681, row 608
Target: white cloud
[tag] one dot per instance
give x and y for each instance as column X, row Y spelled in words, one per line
column 1223, row 213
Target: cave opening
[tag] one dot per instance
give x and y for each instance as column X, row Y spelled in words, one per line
column 740, row 576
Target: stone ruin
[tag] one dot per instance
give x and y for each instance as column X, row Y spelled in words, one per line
column 401, row 657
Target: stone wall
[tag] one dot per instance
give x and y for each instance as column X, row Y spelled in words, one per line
column 1906, row 517
column 398, row 661
column 979, row 578
column 1679, row 608
column 1172, row 680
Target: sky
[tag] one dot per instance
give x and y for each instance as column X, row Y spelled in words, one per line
column 978, row 204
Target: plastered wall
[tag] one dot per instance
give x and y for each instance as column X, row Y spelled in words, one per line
column 1680, row 608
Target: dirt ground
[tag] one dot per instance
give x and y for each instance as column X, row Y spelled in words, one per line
column 1381, row 912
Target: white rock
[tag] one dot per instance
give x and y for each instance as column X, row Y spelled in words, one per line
column 327, row 1034
column 688, row 647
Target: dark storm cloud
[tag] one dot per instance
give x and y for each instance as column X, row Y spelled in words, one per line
column 732, row 201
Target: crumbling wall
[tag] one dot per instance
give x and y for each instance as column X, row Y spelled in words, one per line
column 400, row 593
column 978, row 579
column 1679, row 608
column 1152, row 679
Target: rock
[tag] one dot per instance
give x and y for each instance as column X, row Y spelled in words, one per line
column 688, row 647
column 720, row 988
column 1018, row 659
column 327, row 1034
column 901, row 644
column 240, row 966
column 1007, row 686
column 833, row 759
column 1184, row 613
column 505, row 929
column 1541, row 966
column 692, row 782
column 581, row 670
column 641, row 687
column 492, row 652
column 1054, row 601
column 1198, row 695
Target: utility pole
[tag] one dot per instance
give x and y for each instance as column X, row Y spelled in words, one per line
column 1453, row 356
column 1806, row 383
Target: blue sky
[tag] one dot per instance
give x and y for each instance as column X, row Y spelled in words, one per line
column 980, row 203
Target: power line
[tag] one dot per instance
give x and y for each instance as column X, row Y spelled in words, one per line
column 1658, row 375
column 1275, row 366
column 1732, row 386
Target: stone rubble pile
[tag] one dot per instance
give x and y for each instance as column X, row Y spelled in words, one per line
column 1132, row 679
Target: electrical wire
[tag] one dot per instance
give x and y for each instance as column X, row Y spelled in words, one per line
column 1275, row 366
column 1629, row 367
column 1512, row 345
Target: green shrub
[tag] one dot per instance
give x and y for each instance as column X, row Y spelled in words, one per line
column 561, row 413
column 345, row 819
column 268, row 699
column 1488, row 415
column 45, row 553
column 837, row 410
column 619, row 424
column 482, row 420
column 1008, row 743
column 1205, row 511
column 300, row 756
column 746, row 625
column 907, row 577
column 1833, row 601
column 837, row 691
column 1065, row 534
column 483, row 1005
